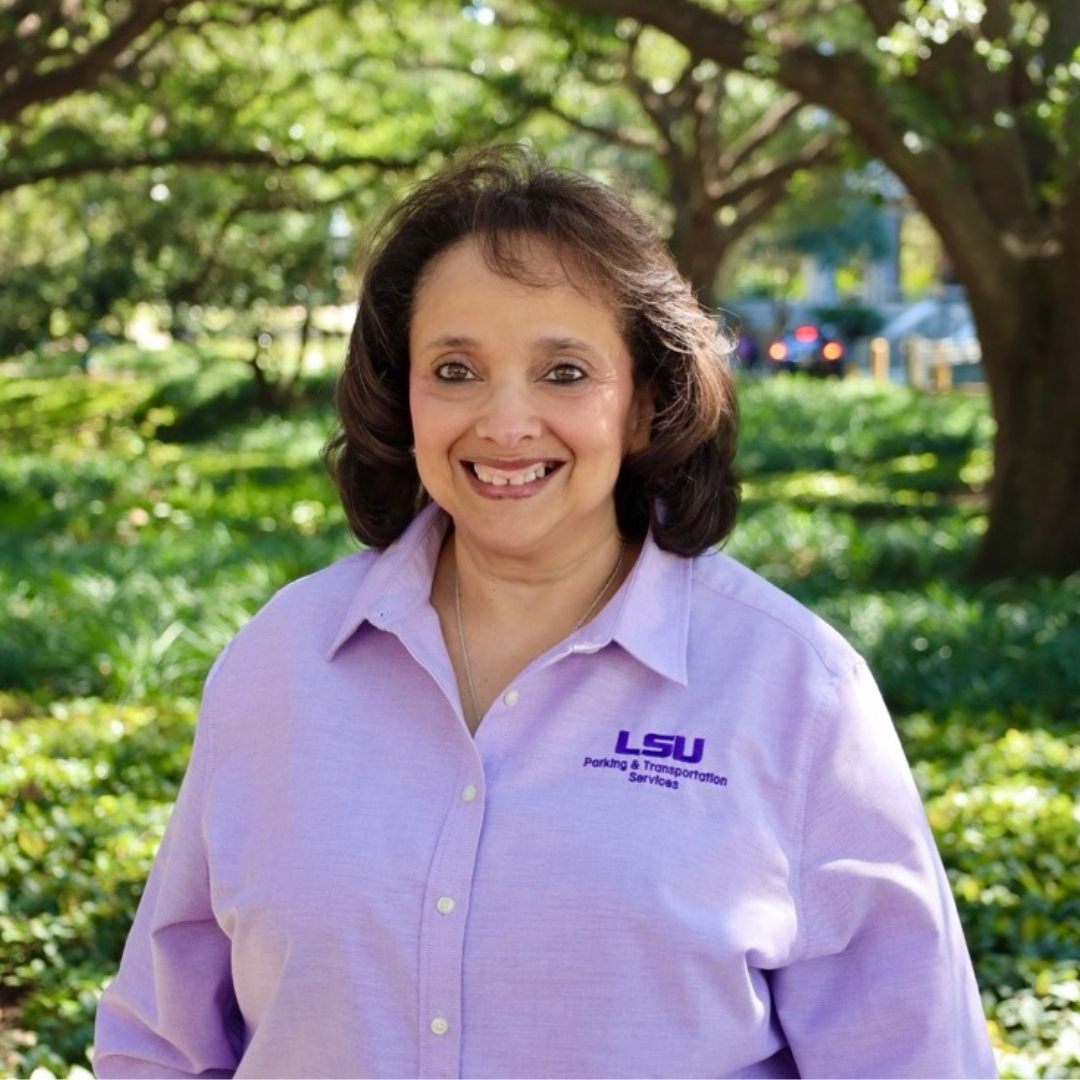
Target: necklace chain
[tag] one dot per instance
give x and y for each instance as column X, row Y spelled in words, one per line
column 580, row 623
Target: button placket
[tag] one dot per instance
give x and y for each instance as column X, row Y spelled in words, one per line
column 442, row 930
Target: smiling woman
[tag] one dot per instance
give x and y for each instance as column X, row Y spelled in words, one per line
column 540, row 784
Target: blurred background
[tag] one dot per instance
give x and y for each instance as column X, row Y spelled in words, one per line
column 880, row 200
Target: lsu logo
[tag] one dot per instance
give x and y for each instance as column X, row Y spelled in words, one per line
column 661, row 746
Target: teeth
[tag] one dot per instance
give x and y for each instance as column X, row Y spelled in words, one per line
column 509, row 479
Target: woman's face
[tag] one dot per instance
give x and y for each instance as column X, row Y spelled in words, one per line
column 523, row 403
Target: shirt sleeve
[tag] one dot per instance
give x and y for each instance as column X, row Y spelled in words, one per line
column 882, row 984
column 171, row 1010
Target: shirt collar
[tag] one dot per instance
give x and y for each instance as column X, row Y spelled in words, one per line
column 649, row 617
column 399, row 578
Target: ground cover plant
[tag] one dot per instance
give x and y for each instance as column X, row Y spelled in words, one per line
column 147, row 511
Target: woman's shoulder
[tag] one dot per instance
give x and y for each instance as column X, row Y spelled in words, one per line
column 737, row 603
column 311, row 616
column 324, row 595
column 308, row 610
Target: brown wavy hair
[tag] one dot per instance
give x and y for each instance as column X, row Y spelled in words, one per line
column 682, row 485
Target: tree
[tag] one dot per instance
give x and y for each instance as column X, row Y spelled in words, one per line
column 718, row 149
column 729, row 149
column 976, row 108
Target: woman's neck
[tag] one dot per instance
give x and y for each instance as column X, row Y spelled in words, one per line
column 516, row 584
column 498, row 615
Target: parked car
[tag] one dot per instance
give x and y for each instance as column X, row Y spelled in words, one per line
column 815, row 348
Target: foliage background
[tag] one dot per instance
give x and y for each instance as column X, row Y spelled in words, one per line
column 149, row 510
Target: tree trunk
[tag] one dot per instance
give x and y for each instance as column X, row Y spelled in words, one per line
column 699, row 245
column 1034, row 380
column 304, row 338
column 265, row 391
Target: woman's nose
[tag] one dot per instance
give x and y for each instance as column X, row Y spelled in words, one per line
column 508, row 416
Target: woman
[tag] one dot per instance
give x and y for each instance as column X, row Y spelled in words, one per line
column 539, row 785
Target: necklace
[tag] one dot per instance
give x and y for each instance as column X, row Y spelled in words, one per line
column 580, row 623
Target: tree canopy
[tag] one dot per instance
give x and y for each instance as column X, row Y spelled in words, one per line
column 199, row 164
column 210, row 155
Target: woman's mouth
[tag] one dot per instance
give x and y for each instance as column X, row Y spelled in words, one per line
column 503, row 477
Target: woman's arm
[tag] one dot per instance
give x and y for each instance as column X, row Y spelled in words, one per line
column 883, row 986
column 170, row 1011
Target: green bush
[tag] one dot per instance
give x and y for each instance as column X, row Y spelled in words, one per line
column 85, row 790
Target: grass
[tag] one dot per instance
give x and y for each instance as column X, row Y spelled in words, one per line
column 148, row 511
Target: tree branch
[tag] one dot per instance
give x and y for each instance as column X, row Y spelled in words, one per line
column 205, row 156
column 611, row 135
column 761, row 131
column 708, row 105
column 756, row 209
column 652, row 103
column 34, row 88
column 820, row 149
column 541, row 101
column 997, row 21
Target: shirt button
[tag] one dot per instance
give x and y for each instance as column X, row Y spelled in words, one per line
column 445, row 905
column 439, row 1026
column 511, row 697
column 470, row 792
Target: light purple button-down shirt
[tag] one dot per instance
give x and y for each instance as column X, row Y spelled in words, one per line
column 684, row 842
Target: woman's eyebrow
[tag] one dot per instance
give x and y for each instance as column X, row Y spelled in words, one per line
column 567, row 344
column 451, row 341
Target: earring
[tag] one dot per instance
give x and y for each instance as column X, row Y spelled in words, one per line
column 412, row 451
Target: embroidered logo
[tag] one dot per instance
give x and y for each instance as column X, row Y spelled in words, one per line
column 661, row 746
column 637, row 760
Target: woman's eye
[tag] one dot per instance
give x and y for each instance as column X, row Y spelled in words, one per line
column 453, row 371
column 565, row 373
